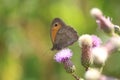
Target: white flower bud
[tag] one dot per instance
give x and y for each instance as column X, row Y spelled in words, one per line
column 85, row 40
column 100, row 55
column 95, row 12
column 92, row 74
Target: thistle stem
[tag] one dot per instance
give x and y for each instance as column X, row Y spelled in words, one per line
column 75, row 76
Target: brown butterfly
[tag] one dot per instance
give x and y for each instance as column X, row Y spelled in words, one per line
column 62, row 35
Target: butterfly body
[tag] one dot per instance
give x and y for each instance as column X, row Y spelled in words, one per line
column 62, row 35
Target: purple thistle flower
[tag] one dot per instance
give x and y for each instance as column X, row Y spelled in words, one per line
column 63, row 55
column 96, row 41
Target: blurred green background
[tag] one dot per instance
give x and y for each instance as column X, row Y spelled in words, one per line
column 25, row 36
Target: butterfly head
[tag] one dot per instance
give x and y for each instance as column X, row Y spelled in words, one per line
column 57, row 22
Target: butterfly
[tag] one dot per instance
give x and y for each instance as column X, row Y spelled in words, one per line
column 62, row 35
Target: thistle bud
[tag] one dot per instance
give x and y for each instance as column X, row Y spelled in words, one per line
column 95, row 12
column 100, row 55
column 104, row 23
column 92, row 74
column 85, row 42
column 69, row 67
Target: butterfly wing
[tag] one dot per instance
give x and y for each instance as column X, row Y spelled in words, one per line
column 65, row 37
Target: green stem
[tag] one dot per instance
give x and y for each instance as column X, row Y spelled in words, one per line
column 76, row 77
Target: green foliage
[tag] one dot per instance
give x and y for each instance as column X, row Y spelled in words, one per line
column 25, row 36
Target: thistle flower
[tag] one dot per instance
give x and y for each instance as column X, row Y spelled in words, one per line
column 64, row 56
column 96, row 41
column 104, row 23
column 87, row 43
column 101, row 53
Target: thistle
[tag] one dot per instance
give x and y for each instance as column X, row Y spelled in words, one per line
column 64, row 56
column 87, row 43
column 104, row 23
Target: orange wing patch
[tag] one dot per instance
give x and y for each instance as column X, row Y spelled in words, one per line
column 54, row 32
